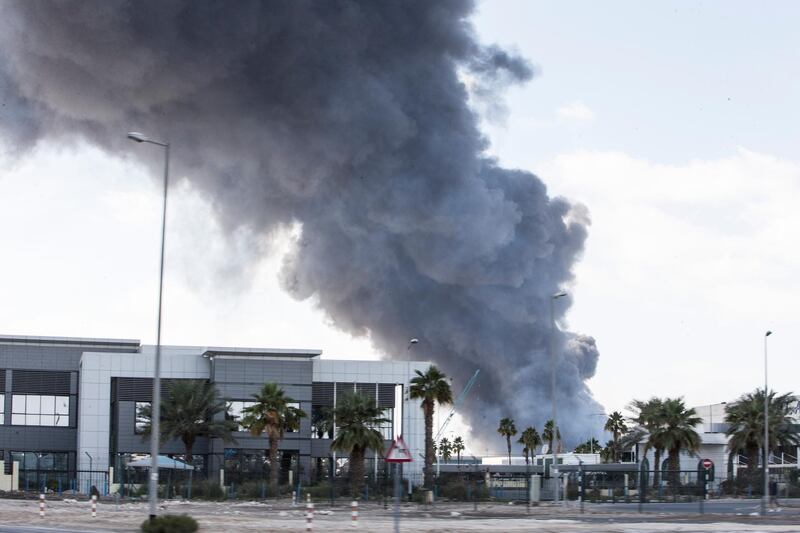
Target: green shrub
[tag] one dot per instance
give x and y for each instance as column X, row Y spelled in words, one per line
column 249, row 490
column 457, row 490
column 170, row 524
column 207, row 489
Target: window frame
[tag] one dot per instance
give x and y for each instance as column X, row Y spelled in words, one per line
column 26, row 410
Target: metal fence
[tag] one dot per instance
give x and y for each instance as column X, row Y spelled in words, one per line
column 64, row 481
column 594, row 484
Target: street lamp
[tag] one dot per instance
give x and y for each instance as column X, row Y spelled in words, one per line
column 766, row 432
column 155, row 411
column 554, row 468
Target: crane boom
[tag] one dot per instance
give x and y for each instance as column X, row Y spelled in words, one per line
column 456, row 403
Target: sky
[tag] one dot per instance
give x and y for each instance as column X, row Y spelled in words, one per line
column 673, row 123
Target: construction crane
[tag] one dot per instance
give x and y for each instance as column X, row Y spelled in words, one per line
column 456, row 403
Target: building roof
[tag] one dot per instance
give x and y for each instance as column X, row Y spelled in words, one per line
column 260, row 352
column 69, row 341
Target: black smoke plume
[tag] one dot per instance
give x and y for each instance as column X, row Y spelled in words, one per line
column 351, row 118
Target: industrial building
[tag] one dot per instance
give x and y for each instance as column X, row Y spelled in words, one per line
column 69, row 405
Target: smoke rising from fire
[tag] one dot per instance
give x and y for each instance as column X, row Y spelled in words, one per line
column 352, row 119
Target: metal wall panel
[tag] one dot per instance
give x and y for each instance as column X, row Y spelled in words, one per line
column 40, row 382
column 322, row 393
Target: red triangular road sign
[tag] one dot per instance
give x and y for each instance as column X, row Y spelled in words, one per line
column 398, row 452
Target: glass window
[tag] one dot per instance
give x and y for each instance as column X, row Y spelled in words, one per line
column 141, row 421
column 321, row 422
column 235, row 411
column 38, row 410
column 62, row 405
column 296, row 405
column 48, row 405
column 387, row 428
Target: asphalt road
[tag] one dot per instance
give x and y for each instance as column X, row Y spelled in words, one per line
column 789, row 507
column 26, row 529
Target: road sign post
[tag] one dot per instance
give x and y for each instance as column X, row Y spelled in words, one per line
column 398, row 453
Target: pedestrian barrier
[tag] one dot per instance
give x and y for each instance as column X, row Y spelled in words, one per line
column 41, row 505
column 354, row 513
column 94, row 505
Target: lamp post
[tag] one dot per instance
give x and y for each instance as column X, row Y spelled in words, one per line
column 155, row 411
column 554, row 468
column 591, row 439
column 765, row 496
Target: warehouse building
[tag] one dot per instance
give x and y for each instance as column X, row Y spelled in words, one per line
column 69, row 406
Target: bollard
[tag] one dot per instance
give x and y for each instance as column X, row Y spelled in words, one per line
column 94, row 505
column 294, row 499
column 41, row 505
column 354, row 513
column 309, row 513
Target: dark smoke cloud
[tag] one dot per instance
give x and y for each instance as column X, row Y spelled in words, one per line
column 351, row 118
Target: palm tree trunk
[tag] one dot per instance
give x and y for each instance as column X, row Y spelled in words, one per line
column 508, row 443
column 428, row 408
column 356, row 471
column 752, row 468
column 188, row 446
column 656, row 468
column 273, row 466
column 674, row 468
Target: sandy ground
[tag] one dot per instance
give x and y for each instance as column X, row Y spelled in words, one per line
column 258, row 516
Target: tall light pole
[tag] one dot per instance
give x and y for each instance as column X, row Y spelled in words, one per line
column 155, row 411
column 554, row 468
column 765, row 496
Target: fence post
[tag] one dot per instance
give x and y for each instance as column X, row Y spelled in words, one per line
column 333, row 481
column 474, row 493
column 94, row 505
column 309, row 513
column 41, row 505
column 702, row 482
column 354, row 513
column 625, row 489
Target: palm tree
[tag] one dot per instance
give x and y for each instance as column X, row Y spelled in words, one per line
column 458, row 447
column 549, row 435
column 632, row 438
column 649, row 415
column 507, row 429
column 529, row 439
column 272, row 414
column 445, row 449
column 430, row 387
column 590, row 446
column 616, row 425
column 357, row 416
column 677, row 433
column 190, row 410
column 746, row 431
column 608, row 452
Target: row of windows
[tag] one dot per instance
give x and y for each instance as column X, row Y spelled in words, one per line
column 234, row 412
column 38, row 410
column 41, row 460
column 322, row 423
